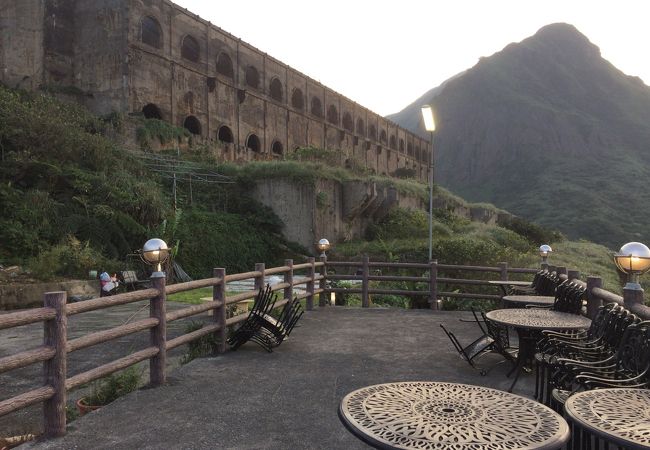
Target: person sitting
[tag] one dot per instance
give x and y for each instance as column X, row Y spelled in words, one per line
column 108, row 284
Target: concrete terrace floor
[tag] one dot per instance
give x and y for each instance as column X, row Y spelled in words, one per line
column 250, row 399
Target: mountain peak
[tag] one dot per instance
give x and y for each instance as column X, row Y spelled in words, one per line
column 563, row 35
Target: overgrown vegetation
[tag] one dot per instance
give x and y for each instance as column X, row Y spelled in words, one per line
column 201, row 347
column 109, row 389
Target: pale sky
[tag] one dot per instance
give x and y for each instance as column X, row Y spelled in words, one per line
column 384, row 55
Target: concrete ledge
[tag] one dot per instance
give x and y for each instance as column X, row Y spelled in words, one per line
column 19, row 296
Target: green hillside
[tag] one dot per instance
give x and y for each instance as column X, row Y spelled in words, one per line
column 548, row 130
column 73, row 200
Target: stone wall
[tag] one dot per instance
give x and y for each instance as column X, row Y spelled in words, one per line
column 19, row 296
column 127, row 56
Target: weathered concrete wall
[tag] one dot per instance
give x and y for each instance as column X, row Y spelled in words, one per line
column 21, row 43
column 19, row 296
column 338, row 211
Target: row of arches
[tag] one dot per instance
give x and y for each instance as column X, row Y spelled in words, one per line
column 224, row 134
column 152, row 35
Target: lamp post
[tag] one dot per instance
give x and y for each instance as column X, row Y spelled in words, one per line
column 430, row 126
column 544, row 250
column 155, row 252
column 633, row 259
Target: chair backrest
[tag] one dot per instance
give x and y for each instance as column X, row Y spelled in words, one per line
column 548, row 283
column 568, row 297
column 616, row 328
column 497, row 332
column 597, row 327
column 633, row 356
column 129, row 276
column 264, row 302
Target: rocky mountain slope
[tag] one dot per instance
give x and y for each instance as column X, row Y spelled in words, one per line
column 548, row 130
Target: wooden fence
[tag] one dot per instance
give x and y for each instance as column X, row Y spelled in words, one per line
column 55, row 312
column 56, row 346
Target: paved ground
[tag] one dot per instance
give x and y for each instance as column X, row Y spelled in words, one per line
column 250, row 399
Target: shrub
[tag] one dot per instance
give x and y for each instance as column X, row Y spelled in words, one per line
column 71, row 259
column 203, row 346
column 109, row 389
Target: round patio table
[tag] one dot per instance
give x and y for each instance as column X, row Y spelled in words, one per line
column 520, row 301
column 528, row 323
column 436, row 415
column 620, row 416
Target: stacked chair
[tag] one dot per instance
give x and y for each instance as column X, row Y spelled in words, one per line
column 544, row 283
column 599, row 343
column 569, row 298
column 264, row 329
column 493, row 338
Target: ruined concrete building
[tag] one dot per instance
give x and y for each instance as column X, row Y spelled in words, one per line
column 154, row 57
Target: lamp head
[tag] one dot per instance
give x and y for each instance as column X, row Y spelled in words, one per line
column 634, row 259
column 155, row 252
column 427, row 116
column 544, row 250
column 323, row 246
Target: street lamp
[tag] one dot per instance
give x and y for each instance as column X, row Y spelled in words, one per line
column 430, row 126
column 633, row 259
column 155, row 252
column 323, row 246
column 544, row 250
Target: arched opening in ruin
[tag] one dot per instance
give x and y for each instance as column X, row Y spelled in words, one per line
column 192, row 125
column 393, row 142
column 190, row 49
column 372, row 132
column 276, row 148
column 252, row 77
column 332, row 115
column 361, row 129
column 348, row 123
column 224, row 65
column 151, row 111
column 253, row 143
column 150, row 32
column 382, row 136
column 401, row 145
column 379, row 149
column 275, row 89
column 409, row 149
column 224, row 134
column 297, row 99
column 316, row 107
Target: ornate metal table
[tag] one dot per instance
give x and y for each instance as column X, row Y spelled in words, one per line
column 434, row 415
column 620, row 416
column 528, row 323
column 519, row 301
column 503, row 284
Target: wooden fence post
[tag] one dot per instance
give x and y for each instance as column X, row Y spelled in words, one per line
column 365, row 300
column 503, row 268
column 259, row 280
column 288, row 278
column 593, row 302
column 219, row 314
column 632, row 297
column 158, row 334
column 55, row 369
column 323, row 297
column 573, row 274
column 433, row 284
column 310, row 284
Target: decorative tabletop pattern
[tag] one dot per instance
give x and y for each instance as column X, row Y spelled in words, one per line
column 620, row 415
column 540, row 319
column 529, row 299
column 436, row 415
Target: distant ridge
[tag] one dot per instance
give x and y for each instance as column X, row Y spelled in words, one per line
column 551, row 131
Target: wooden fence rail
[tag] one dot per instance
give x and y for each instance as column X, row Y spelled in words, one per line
column 56, row 345
column 54, row 314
